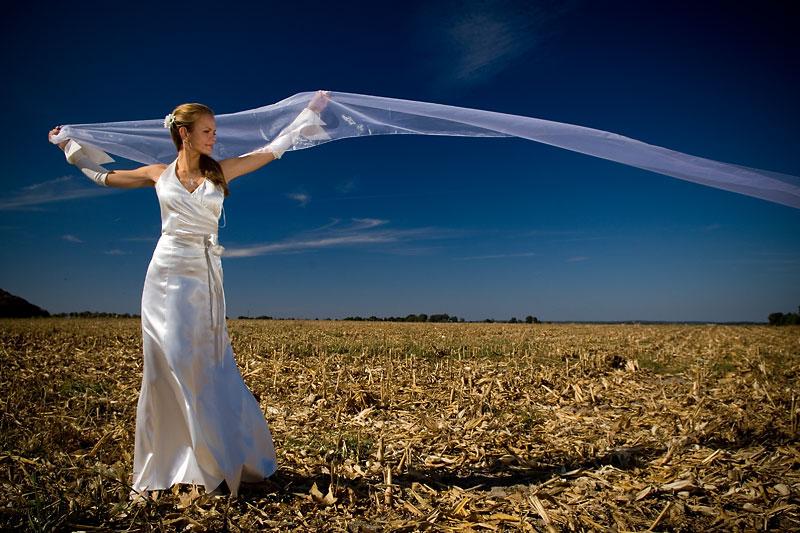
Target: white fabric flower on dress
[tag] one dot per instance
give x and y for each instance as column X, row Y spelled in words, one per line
column 169, row 120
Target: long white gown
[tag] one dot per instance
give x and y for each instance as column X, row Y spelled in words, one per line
column 196, row 420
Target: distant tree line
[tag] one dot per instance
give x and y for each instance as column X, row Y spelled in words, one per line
column 443, row 317
column 422, row 317
column 95, row 314
column 513, row 320
column 785, row 319
column 267, row 317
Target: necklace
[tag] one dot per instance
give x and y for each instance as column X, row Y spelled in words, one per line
column 193, row 183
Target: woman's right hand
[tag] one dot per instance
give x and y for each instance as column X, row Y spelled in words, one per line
column 55, row 131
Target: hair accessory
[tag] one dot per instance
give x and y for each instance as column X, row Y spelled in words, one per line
column 169, row 120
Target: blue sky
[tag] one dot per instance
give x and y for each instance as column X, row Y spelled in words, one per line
column 472, row 227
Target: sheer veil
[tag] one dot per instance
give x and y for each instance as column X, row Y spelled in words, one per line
column 356, row 115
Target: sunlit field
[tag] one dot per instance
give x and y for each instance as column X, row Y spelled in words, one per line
column 442, row 427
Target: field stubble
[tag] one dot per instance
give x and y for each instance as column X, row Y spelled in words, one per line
column 443, row 427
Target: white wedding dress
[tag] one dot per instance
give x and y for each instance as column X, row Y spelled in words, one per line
column 196, row 420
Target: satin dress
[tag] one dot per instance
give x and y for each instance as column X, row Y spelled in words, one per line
column 196, row 420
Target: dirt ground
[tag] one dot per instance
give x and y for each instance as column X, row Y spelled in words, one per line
column 410, row 427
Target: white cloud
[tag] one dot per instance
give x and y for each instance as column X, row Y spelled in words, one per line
column 116, row 251
column 71, row 238
column 54, row 190
column 473, row 41
column 301, row 197
column 47, row 183
column 577, row 259
column 366, row 223
column 359, row 232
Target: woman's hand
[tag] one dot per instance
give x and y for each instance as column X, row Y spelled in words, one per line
column 55, row 131
column 319, row 101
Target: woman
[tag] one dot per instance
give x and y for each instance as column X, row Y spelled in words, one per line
column 196, row 420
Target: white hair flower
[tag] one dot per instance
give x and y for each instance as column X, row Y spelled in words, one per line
column 169, row 120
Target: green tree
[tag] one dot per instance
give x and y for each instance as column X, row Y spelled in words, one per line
column 784, row 319
column 775, row 319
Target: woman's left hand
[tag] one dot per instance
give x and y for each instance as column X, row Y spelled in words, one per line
column 319, row 101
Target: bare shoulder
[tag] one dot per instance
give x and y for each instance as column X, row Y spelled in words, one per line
column 154, row 171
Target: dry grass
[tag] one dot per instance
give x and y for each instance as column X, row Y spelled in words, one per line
column 410, row 427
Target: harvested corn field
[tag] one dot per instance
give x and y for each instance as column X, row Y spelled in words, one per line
column 439, row 427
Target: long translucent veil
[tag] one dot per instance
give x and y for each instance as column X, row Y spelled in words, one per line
column 357, row 115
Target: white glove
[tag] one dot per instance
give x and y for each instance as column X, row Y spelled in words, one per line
column 85, row 158
column 307, row 124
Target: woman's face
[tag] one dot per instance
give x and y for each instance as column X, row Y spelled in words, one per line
column 203, row 135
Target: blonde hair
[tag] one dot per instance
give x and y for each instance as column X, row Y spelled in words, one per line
column 186, row 115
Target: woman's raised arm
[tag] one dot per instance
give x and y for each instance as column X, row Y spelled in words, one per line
column 145, row 176
column 309, row 117
column 244, row 164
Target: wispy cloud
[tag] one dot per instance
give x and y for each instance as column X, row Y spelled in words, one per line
column 71, row 238
column 300, row 197
column 346, row 186
column 367, row 223
column 358, row 232
column 116, row 251
column 30, row 198
column 474, row 41
column 499, row 256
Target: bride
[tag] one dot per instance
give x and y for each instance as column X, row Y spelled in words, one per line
column 196, row 420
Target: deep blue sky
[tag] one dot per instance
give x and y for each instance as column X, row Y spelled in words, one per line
column 479, row 227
